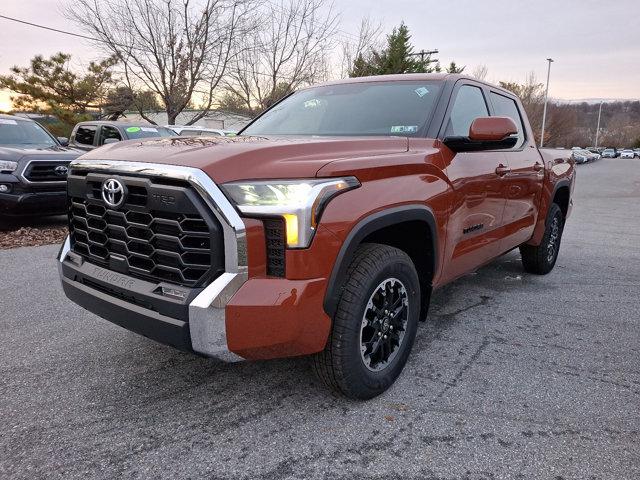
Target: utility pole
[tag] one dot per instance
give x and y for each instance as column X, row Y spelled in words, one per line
column 546, row 96
column 424, row 53
column 598, row 127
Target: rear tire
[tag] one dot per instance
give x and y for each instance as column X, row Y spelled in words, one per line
column 541, row 259
column 374, row 326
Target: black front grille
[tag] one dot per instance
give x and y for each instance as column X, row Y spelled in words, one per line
column 274, row 232
column 163, row 232
column 45, row 171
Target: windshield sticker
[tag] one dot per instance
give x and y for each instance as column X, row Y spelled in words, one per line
column 422, row 91
column 149, row 129
column 313, row 103
column 133, row 129
column 7, row 121
column 404, row 129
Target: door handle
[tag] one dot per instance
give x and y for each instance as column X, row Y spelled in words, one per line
column 501, row 170
column 538, row 167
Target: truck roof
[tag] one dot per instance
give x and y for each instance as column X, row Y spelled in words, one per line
column 437, row 77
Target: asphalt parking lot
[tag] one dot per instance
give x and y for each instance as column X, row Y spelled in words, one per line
column 513, row 376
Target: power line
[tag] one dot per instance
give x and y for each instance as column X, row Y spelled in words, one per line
column 73, row 34
column 52, row 29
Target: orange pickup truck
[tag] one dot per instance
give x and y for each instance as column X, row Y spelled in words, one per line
column 321, row 229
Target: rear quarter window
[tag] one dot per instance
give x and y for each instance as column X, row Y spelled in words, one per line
column 506, row 107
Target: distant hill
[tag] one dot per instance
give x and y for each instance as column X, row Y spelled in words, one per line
column 596, row 101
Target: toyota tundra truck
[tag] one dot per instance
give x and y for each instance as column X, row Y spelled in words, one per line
column 321, row 230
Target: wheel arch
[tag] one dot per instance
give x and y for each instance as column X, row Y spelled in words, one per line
column 562, row 195
column 408, row 228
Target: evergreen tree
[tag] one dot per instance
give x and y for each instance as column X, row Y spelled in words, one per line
column 396, row 57
column 49, row 86
column 453, row 68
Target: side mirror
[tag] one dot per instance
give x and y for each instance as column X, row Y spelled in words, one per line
column 64, row 141
column 485, row 133
column 107, row 141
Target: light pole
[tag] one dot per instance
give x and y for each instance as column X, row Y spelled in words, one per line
column 598, row 127
column 546, row 96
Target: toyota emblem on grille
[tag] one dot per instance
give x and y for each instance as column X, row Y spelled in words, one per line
column 113, row 193
column 60, row 170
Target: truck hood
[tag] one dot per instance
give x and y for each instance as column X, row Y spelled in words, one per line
column 239, row 158
column 15, row 153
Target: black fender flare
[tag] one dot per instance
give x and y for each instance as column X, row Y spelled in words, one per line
column 360, row 231
column 564, row 182
column 559, row 184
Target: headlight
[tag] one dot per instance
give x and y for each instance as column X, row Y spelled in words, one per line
column 6, row 166
column 299, row 202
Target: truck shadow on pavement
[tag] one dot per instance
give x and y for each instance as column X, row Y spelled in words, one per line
column 183, row 385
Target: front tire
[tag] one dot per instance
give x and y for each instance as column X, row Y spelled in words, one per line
column 541, row 259
column 374, row 326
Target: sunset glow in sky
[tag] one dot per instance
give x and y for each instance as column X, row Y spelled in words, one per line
column 595, row 43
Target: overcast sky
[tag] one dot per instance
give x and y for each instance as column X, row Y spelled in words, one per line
column 595, row 43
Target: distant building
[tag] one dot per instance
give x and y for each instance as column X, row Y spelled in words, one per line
column 213, row 119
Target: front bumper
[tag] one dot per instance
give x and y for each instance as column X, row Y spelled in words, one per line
column 21, row 201
column 230, row 319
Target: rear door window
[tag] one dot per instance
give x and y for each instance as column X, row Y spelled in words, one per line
column 106, row 132
column 506, row 107
column 468, row 105
column 85, row 134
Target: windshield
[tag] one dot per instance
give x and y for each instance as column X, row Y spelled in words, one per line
column 352, row 109
column 150, row 131
column 25, row 133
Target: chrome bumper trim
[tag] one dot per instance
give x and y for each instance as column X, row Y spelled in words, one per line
column 207, row 310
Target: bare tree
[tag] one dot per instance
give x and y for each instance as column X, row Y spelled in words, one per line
column 177, row 49
column 288, row 48
column 366, row 40
column 480, row 72
column 531, row 93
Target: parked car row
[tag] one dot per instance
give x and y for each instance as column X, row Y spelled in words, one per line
column 584, row 156
column 610, row 152
column 89, row 135
column 34, row 163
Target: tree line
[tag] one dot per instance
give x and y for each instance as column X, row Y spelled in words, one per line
column 575, row 124
column 242, row 56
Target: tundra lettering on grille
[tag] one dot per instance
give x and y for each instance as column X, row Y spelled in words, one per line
column 113, row 278
column 161, row 232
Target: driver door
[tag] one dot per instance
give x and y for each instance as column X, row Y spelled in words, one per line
column 477, row 210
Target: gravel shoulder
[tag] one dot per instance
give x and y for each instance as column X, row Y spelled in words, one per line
column 31, row 232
